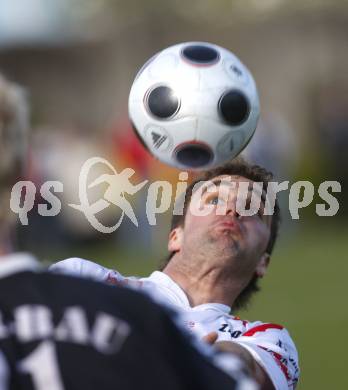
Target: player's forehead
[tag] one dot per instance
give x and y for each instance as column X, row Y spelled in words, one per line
column 230, row 182
column 225, row 179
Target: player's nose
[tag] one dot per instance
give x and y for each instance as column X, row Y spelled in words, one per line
column 231, row 208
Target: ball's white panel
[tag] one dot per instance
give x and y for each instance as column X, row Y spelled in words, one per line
column 180, row 131
column 249, row 127
column 207, row 104
column 175, row 49
column 210, row 131
column 189, row 104
column 230, row 145
column 138, row 114
column 158, row 138
column 145, row 66
column 140, row 86
column 236, row 72
column 215, row 77
column 163, row 68
column 186, row 80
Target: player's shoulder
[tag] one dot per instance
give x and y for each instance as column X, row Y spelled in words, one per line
column 72, row 263
column 271, row 343
column 76, row 266
column 258, row 327
column 261, row 329
column 85, row 268
column 267, row 332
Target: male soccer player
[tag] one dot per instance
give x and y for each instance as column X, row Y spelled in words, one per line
column 59, row 332
column 215, row 262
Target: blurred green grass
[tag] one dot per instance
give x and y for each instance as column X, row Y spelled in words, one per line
column 305, row 290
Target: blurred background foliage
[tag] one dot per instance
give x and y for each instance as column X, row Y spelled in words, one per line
column 77, row 60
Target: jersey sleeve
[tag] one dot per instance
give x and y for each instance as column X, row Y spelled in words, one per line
column 272, row 347
column 87, row 269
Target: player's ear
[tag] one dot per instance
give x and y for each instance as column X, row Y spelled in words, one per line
column 175, row 239
column 262, row 265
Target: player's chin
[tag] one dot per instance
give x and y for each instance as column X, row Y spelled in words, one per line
column 226, row 239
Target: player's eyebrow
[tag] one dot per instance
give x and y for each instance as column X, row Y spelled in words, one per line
column 218, row 182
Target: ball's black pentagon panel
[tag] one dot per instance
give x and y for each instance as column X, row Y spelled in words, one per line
column 193, row 155
column 162, row 102
column 234, row 107
column 200, row 54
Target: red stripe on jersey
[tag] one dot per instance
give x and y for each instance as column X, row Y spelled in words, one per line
column 261, row 328
column 245, row 323
column 277, row 358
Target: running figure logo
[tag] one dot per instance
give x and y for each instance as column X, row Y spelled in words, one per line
column 118, row 185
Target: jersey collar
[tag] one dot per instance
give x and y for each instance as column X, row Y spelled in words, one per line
column 220, row 307
column 174, row 291
column 166, row 281
column 17, row 262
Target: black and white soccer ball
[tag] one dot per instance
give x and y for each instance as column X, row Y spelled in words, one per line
column 194, row 105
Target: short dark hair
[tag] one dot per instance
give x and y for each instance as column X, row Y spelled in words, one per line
column 237, row 167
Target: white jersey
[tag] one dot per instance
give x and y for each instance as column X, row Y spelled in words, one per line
column 270, row 344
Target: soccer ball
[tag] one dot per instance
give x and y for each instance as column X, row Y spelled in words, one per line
column 194, row 105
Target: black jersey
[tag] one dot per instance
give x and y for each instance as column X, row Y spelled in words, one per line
column 59, row 332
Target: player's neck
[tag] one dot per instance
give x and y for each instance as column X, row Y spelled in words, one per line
column 204, row 285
